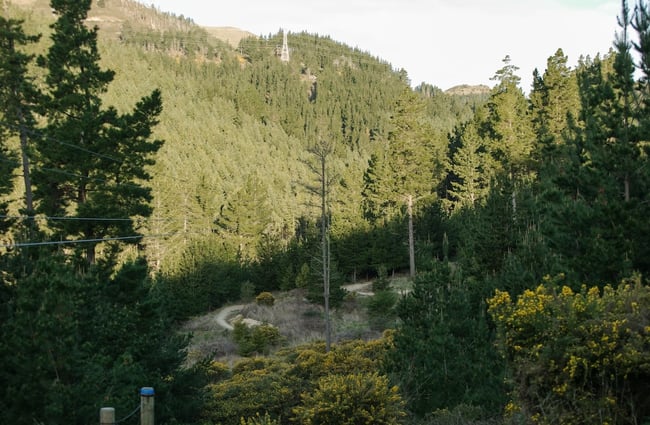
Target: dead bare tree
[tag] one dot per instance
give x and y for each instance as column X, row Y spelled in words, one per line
column 321, row 151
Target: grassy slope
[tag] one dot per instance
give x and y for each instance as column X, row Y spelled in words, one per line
column 297, row 320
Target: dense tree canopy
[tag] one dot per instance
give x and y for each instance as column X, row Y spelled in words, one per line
column 491, row 193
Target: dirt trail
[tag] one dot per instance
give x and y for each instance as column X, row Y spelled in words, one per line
column 225, row 313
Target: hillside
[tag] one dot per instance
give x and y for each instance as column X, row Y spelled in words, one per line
column 174, row 174
column 237, row 123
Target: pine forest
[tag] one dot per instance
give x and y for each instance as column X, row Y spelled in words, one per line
column 380, row 253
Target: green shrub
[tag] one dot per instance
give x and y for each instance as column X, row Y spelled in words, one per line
column 303, row 276
column 354, row 399
column 274, row 384
column 381, row 309
column 256, row 385
column 256, row 339
column 382, row 282
column 462, row 414
column 311, row 362
column 265, row 298
column 577, row 358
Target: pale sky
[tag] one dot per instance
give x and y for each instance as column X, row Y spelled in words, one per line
column 441, row 42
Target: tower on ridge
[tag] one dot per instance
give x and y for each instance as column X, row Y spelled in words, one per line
column 284, row 54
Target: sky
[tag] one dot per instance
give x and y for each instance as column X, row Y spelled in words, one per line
column 442, row 42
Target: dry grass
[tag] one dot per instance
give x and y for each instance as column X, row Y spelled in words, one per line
column 297, row 319
column 230, row 35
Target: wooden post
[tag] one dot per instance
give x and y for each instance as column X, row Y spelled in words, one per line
column 107, row 416
column 146, row 406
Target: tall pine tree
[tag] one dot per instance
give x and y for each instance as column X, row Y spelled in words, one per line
column 410, row 170
column 92, row 162
column 18, row 98
column 470, row 166
column 555, row 103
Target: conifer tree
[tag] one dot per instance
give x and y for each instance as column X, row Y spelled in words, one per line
column 470, row 168
column 245, row 217
column 554, row 101
column 641, row 23
column 442, row 355
column 18, row 98
column 510, row 127
column 409, row 166
column 597, row 220
column 625, row 148
column 377, row 200
column 92, row 162
column 409, row 172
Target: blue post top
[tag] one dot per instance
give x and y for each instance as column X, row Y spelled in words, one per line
column 147, row 392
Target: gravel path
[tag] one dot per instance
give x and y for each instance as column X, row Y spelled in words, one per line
column 222, row 316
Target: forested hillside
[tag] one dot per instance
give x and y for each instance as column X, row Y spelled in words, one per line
column 152, row 172
column 237, row 125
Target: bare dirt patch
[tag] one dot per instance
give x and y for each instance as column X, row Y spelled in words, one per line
column 22, row 2
column 298, row 321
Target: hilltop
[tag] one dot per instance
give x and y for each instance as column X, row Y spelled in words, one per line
column 468, row 90
column 230, row 35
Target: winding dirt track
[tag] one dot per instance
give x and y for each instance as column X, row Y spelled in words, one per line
column 364, row 289
column 222, row 316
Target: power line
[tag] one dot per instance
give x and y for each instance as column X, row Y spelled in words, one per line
column 99, row 240
column 207, row 221
column 40, row 134
column 67, row 218
column 35, row 132
column 66, row 173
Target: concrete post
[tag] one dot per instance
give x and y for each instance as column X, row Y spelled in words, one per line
column 107, row 416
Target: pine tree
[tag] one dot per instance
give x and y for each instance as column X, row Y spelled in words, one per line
column 554, row 102
column 469, row 168
column 18, row 98
column 625, row 148
column 59, row 347
column 409, row 172
column 377, row 200
column 93, row 160
column 509, row 124
column 245, row 217
column 641, row 23
column 442, row 355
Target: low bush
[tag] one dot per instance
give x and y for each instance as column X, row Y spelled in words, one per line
column 256, row 339
column 265, row 298
column 354, row 399
column 577, row 358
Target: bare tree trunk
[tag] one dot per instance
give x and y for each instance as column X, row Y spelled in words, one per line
column 411, row 238
column 90, row 253
column 321, row 150
column 29, row 203
column 326, row 255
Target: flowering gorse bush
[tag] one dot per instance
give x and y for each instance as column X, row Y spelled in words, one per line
column 293, row 385
column 354, row 399
column 577, row 358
